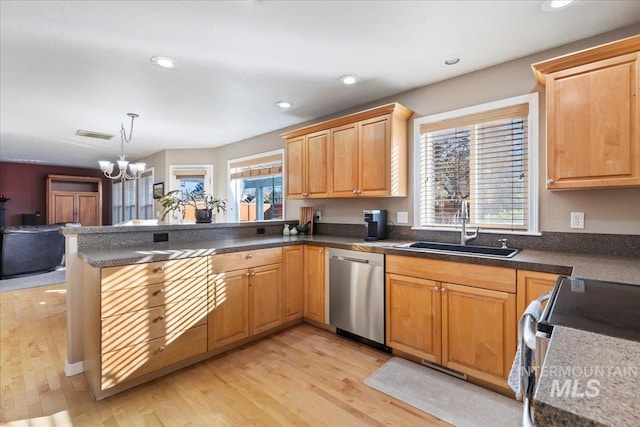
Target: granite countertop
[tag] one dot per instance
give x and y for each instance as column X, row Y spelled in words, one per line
column 615, row 269
column 602, row 379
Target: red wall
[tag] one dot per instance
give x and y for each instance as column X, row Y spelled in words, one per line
column 25, row 183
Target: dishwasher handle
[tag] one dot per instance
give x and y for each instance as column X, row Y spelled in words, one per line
column 344, row 258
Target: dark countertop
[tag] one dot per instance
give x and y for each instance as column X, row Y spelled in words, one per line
column 615, row 269
column 603, row 377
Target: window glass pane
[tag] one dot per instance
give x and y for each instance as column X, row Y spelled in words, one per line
column 145, row 197
column 129, row 200
column 116, row 205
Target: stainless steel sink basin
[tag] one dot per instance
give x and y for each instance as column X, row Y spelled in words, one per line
column 460, row 249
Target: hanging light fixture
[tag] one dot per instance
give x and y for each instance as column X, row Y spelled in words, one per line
column 135, row 169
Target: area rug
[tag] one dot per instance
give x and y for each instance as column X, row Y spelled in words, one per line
column 452, row 400
column 34, row 281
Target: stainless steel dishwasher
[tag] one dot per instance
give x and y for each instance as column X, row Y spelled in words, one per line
column 356, row 295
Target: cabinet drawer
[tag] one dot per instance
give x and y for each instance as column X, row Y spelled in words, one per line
column 144, row 325
column 246, row 259
column 131, row 362
column 140, row 297
column 129, row 276
column 479, row 276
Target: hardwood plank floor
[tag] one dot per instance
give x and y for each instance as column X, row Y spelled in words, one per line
column 302, row 376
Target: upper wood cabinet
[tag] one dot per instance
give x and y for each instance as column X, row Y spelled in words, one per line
column 593, row 119
column 362, row 154
column 307, row 166
column 74, row 199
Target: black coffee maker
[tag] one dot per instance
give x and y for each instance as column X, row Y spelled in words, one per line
column 376, row 223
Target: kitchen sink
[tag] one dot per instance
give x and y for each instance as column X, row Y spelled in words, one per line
column 460, row 249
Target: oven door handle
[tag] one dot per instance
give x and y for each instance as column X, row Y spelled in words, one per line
column 531, row 323
column 527, row 421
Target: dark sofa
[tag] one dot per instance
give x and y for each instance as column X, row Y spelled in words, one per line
column 30, row 249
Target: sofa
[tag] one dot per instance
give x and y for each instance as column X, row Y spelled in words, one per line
column 28, row 250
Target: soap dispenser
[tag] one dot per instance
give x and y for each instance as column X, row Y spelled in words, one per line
column 286, row 230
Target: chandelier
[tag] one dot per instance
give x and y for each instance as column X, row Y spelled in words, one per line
column 134, row 169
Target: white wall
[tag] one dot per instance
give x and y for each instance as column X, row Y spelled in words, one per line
column 606, row 211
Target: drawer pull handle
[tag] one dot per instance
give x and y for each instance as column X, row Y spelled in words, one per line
column 161, row 317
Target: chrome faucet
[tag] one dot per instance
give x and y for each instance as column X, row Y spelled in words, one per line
column 464, row 218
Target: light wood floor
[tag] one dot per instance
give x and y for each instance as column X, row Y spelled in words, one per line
column 301, row 376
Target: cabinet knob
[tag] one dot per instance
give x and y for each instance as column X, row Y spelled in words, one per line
column 250, row 256
column 550, row 181
column 435, row 288
column 161, row 348
column 156, row 270
column 247, row 274
column 253, row 274
column 161, row 317
column 443, row 289
column 359, row 191
column 305, row 194
column 355, row 191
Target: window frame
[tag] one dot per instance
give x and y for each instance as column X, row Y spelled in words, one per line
column 533, row 160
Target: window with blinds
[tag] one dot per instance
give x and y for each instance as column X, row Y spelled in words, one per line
column 256, row 187
column 482, row 155
column 133, row 199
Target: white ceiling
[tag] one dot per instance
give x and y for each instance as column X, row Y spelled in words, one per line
column 69, row 65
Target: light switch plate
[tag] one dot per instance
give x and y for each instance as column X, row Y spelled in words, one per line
column 402, row 217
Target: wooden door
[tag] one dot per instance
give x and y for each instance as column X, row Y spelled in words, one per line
column 62, row 207
column 316, row 164
column 228, row 318
column 343, row 161
column 314, row 296
column 478, row 332
column 264, row 298
column 414, row 316
column 374, row 157
column 88, row 209
column 592, row 125
column 531, row 285
column 293, row 283
column 294, row 158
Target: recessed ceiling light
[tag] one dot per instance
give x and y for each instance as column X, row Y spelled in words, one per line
column 164, row 62
column 553, row 5
column 284, row 104
column 452, row 60
column 349, row 79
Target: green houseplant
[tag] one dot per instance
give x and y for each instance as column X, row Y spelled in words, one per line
column 204, row 204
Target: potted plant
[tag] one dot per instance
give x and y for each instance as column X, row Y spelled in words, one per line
column 204, row 204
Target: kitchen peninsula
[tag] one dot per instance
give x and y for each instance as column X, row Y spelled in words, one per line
column 131, row 252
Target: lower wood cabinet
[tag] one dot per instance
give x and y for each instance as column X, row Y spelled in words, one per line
column 471, row 329
column 292, row 283
column 244, row 301
column 531, row 285
column 314, row 283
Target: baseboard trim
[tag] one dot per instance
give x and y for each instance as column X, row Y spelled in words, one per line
column 71, row 369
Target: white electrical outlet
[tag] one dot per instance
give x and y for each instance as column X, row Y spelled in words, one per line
column 402, row 217
column 318, row 216
column 577, row 219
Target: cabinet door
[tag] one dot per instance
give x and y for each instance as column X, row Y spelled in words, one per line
column 295, row 156
column 478, row 332
column 374, row 157
column 264, row 293
column 228, row 318
column 413, row 316
column 316, row 164
column 314, row 297
column 62, row 207
column 293, row 283
column 532, row 284
column 592, row 125
column 343, row 163
column 88, row 209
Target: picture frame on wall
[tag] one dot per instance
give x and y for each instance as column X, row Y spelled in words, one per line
column 158, row 190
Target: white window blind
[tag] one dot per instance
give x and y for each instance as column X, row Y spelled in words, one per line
column 145, row 196
column 129, row 200
column 116, row 204
column 482, row 157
